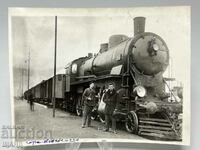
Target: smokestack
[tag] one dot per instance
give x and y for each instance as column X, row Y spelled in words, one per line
column 139, row 25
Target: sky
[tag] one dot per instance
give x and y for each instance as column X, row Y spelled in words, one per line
column 81, row 31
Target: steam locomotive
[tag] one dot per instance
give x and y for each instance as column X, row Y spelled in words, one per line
column 135, row 65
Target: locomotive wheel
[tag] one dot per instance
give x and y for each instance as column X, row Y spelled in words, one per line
column 79, row 107
column 131, row 123
column 94, row 115
column 102, row 118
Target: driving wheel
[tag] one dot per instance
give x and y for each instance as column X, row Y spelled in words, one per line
column 131, row 123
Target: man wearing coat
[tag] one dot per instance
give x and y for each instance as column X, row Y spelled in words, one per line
column 110, row 99
column 89, row 100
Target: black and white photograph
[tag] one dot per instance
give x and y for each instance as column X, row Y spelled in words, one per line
column 113, row 74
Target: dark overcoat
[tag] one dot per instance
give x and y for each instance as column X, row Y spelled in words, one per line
column 110, row 99
column 89, row 93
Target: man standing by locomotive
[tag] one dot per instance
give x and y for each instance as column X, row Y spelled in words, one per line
column 89, row 101
column 110, row 99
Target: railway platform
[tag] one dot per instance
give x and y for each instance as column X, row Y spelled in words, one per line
column 64, row 125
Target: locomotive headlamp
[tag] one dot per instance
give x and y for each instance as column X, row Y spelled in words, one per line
column 140, row 91
column 155, row 47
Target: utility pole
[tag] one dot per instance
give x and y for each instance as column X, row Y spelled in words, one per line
column 22, row 82
column 28, row 68
column 55, row 53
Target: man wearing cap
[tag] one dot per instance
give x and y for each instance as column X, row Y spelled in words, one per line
column 89, row 101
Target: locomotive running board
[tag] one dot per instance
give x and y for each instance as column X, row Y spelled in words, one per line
column 81, row 81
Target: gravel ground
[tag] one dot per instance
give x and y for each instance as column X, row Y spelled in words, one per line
column 64, row 125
